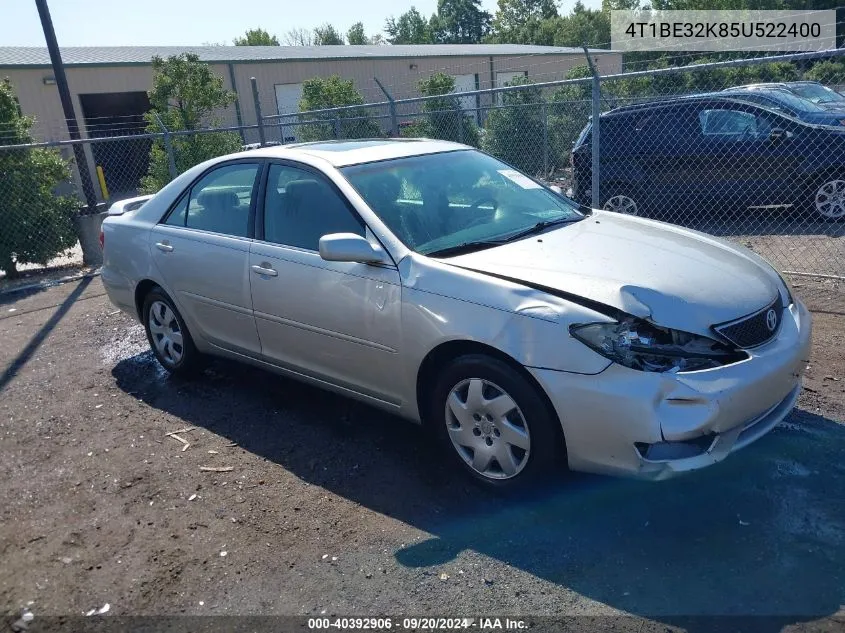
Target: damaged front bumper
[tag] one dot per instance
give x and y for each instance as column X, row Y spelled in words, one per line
column 656, row 425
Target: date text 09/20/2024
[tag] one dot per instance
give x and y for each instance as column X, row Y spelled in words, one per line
column 418, row 624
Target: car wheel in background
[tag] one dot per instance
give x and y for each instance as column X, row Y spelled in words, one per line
column 622, row 200
column 168, row 335
column 494, row 423
column 828, row 198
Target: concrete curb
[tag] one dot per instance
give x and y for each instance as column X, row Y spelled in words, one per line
column 43, row 285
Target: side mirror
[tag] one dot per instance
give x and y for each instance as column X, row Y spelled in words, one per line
column 348, row 247
column 556, row 189
column 778, row 134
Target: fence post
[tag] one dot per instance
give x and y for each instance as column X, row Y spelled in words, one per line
column 595, row 134
column 394, row 120
column 336, row 123
column 544, row 112
column 258, row 118
column 168, row 147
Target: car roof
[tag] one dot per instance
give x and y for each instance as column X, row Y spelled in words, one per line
column 704, row 97
column 354, row 152
column 761, row 88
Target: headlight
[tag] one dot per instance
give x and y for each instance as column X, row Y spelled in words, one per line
column 644, row 346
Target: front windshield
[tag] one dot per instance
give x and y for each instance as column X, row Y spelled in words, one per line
column 817, row 93
column 439, row 201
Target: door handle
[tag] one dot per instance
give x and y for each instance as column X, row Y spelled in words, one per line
column 261, row 270
column 164, row 246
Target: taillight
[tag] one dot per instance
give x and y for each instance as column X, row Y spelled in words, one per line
column 102, row 239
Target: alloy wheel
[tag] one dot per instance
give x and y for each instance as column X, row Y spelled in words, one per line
column 830, row 199
column 487, row 428
column 621, row 204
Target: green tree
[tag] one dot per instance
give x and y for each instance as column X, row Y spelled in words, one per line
column 327, row 35
column 827, row 72
column 443, row 117
column 256, row 37
column 581, row 26
column 516, row 132
column 186, row 95
column 36, row 223
column 459, row 22
column 356, row 36
column 569, row 111
column 410, row 28
column 321, row 93
column 519, row 21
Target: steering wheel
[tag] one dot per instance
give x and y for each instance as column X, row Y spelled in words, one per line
column 477, row 205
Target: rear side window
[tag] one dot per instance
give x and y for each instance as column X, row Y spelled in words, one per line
column 219, row 202
column 584, row 135
column 178, row 216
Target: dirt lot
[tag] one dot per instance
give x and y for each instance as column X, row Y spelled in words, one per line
column 333, row 508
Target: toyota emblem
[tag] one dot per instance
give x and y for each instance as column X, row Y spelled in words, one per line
column 771, row 320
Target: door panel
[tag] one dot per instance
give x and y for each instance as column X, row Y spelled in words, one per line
column 746, row 166
column 338, row 321
column 202, row 252
column 333, row 320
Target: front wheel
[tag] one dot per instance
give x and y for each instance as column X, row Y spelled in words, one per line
column 493, row 422
column 828, row 198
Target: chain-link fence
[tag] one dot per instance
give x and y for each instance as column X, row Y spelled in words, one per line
column 750, row 150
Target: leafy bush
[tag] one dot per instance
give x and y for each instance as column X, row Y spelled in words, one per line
column 515, row 133
column 186, row 95
column 321, row 93
column 443, row 118
column 35, row 224
column 569, row 109
column 828, row 72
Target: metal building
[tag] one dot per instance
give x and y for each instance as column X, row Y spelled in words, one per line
column 109, row 84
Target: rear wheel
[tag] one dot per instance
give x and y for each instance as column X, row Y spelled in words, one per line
column 828, row 198
column 622, row 200
column 493, row 423
column 168, row 335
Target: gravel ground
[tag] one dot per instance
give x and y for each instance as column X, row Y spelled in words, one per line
column 333, row 508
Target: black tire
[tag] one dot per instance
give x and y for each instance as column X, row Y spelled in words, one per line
column 189, row 360
column 543, row 428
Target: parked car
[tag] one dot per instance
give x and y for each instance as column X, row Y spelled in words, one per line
column 786, row 102
column 673, row 156
column 435, row 282
column 812, row 91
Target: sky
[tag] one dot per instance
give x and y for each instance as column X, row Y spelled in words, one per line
column 195, row 22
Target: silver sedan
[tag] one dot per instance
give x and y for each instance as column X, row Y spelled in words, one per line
column 431, row 280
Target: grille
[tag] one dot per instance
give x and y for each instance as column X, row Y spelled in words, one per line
column 754, row 329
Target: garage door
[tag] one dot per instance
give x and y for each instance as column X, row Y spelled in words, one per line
column 287, row 101
column 466, row 83
column 504, row 78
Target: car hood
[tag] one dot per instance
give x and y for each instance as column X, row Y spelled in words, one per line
column 838, row 106
column 828, row 117
column 672, row 276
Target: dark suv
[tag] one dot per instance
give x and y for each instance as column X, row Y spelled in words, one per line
column 667, row 157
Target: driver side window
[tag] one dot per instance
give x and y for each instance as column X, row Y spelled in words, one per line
column 728, row 125
column 300, row 207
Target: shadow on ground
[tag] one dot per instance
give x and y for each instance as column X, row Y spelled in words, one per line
column 760, row 534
